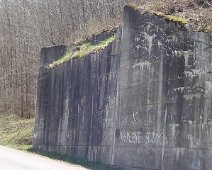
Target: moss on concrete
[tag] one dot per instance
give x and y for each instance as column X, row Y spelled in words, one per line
column 172, row 17
column 83, row 49
column 194, row 17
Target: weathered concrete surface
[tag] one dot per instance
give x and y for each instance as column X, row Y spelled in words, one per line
column 145, row 102
column 48, row 55
column 164, row 118
column 74, row 102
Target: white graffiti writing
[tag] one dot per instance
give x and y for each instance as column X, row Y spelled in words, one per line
column 196, row 165
column 136, row 137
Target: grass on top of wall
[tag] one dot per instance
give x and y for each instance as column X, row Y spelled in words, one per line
column 172, row 17
column 83, row 49
column 195, row 13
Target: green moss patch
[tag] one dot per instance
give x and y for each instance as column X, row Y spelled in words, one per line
column 172, row 18
column 83, row 49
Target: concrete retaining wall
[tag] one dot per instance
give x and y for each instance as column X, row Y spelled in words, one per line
column 144, row 102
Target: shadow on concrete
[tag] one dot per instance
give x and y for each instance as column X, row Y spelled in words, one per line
column 74, row 160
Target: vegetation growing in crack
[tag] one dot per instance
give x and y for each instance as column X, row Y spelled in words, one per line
column 83, row 49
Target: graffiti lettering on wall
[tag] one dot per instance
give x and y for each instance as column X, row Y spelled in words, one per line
column 100, row 121
column 136, row 137
column 196, row 165
column 132, row 119
column 107, row 122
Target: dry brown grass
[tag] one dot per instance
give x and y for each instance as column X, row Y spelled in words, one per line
column 171, row 6
column 199, row 12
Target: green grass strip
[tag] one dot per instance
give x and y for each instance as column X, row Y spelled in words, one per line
column 84, row 49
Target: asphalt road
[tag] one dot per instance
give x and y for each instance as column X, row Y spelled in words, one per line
column 11, row 159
